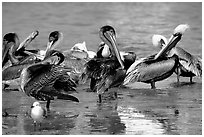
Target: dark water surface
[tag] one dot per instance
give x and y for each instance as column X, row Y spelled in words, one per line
column 170, row 109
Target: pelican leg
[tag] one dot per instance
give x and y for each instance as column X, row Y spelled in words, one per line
column 153, row 85
column 116, row 94
column 191, row 80
column 99, row 97
column 92, row 84
column 178, row 74
column 48, row 105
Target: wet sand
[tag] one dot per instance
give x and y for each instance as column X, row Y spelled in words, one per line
column 170, row 109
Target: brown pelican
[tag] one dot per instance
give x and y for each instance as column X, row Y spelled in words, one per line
column 47, row 79
column 54, row 39
column 154, row 68
column 17, row 49
column 12, row 73
column 189, row 65
column 106, row 72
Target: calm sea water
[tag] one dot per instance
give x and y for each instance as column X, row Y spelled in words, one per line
column 135, row 23
column 139, row 110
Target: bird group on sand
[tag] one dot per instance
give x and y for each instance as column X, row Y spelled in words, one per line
column 52, row 74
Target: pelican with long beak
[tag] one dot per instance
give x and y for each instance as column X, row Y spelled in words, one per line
column 54, row 40
column 106, row 72
column 189, row 65
column 17, row 50
column 47, row 79
column 12, row 73
column 156, row 67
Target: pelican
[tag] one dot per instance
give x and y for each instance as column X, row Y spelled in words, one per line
column 47, row 79
column 12, row 73
column 128, row 59
column 54, row 39
column 107, row 72
column 189, row 65
column 17, row 50
column 156, row 67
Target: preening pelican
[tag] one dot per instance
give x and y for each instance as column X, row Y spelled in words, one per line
column 189, row 65
column 11, row 42
column 47, row 79
column 156, row 67
column 106, row 72
column 13, row 50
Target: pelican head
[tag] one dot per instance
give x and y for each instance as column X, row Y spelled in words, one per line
column 174, row 39
column 54, row 57
column 159, row 41
column 54, row 40
column 108, row 35
column 177, row 34
column 9, row 40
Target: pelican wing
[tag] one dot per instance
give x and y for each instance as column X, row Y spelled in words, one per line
column 33, row 78
column 65, row 83
column 188, row 61
column 108, row 81
column 145, row 72
column 13, row 72
column 99, row 68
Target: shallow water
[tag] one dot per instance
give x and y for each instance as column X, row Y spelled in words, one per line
column 171, row 109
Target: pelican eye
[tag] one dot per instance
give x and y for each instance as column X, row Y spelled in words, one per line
column 177, row 34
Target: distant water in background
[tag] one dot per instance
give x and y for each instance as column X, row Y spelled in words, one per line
column 135, row 23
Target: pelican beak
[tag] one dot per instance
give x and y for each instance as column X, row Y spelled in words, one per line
column 27, row 41
column 49, row 47
column 175, row 38
column 113, row 47
column 5, row 50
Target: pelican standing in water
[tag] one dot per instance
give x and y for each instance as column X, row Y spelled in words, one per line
column 107, row 72
column 104, row 51
column 156, row 67
column 47, row 79
column 189, row 65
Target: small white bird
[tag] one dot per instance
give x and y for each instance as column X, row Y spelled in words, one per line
column 38, row 113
